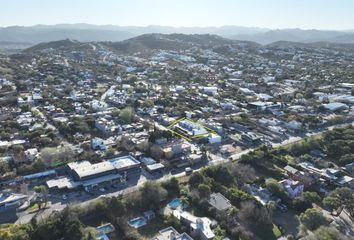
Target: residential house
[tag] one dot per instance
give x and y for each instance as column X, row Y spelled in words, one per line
column 292, row 187
column 335, row 106
column 98, row 106
column 210, row 90
column 349, row 168
column 172, row 149
column 219, row 202
column 106, row 126
column 214, row 138
column 294, row 126
column 31, row 154
column 152, row 166
column 261, row 194
column 170, row 233
column 138, row 140
column 199, row 227
column 190, row 128
column 251, row 137
column 11, row 200
column 98, row 144
column 304, row 177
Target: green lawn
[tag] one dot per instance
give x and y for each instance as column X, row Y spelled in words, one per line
column 276, row 231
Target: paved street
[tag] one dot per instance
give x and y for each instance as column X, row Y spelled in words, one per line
column 56, row 203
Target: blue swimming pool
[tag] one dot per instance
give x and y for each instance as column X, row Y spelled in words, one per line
column 137, row 222
column 175, row 203
column 106, row 228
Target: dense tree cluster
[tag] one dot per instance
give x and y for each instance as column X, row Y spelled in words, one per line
column 255, row 219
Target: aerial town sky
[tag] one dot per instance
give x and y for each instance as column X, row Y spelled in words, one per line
column 306, row 14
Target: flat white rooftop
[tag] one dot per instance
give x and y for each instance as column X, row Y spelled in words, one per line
column 124, row 162
column 62, row 183
column 84, row 169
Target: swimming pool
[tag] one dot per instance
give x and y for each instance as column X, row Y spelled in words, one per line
column 106, row 228
column 137, row 222
column 175, row 203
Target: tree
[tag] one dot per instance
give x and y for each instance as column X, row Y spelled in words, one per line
column 341, row 197
column 219, row 233
column 42, row 192
column 220, row 174
column 254, row 215
column 127, row 114
column 312, row 218
column 148, row 103
column 63, row 225
column 152, row 194
column 132, row 78
column 116, row 207
column 271, row 206
column 276, row 188
column 329, row 233
column 195, row 179
column 55, row 155
column 4, row 167
column 301, row 204
column 243, row 173
column 305, row 201
column 16, row 232
column 172, row 187
column 171, row 220
column 204, row 190
column 17, row 148
column 156, row 152
column 311, row 197
column 237, row 196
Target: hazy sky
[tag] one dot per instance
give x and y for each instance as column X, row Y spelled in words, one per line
column 320, row 14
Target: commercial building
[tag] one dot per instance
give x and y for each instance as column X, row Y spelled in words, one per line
column 88, row 175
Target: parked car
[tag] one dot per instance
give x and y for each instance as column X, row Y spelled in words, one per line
column 64, row 197
column 188, row 171
column 102, row 189
column 282, row 207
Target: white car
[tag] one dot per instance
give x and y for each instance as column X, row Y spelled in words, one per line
column 188, row 170
column 102, row 190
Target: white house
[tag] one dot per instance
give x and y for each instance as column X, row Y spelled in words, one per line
column 98, row 144
column 107, row 126
column 210, row 90
column 214, row 138
column 31, row 154
column 11, row 200
column 294, row 125
column 191, row 128
column 180, row 88
column 98, row 106
column 335, row 106
column 198, row 226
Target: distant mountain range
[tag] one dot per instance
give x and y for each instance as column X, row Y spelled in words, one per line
column 21, row 37
column 298, row 35
column 145, row 43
